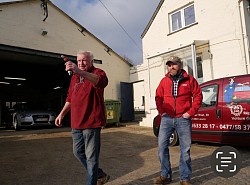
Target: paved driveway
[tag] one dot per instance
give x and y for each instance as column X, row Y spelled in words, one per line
column 129, row 155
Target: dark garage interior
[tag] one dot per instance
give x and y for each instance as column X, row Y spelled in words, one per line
column 43, row 78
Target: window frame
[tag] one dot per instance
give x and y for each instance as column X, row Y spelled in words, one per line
column 182, row 18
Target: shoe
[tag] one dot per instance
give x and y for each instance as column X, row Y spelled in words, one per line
column 163, row 180
column 185, row 182
column 104, row 179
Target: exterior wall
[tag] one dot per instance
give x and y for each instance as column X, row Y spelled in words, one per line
column 149, row 73
column 21, row 25
column 218, row 22
column 227, row 37
column 139, row 85
column 246, row 28
column 139, row 93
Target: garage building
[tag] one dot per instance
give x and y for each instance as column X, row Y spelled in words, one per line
column 34, row 35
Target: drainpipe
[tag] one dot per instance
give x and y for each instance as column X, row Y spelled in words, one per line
column 149, row 88
column 211, row 62
column 242, row 36
column 194, row 60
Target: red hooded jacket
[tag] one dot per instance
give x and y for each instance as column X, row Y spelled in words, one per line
column 188, row 99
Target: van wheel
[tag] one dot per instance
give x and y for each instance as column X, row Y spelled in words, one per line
column 156, row 125
column 174, row 140
column 15, row 124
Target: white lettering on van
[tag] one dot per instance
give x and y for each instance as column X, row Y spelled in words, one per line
column 238, row 118
column 246, row 113
column 213, row 126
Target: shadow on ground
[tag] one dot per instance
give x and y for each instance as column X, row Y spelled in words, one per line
column 202, row 172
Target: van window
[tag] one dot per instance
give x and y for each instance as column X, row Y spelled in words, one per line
column 210, row 94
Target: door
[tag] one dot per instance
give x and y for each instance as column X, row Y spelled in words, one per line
column 206, row 123
column 127, row 102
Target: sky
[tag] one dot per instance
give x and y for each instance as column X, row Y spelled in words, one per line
column 117, row 23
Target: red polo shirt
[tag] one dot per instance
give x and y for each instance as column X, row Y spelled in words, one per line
column 87, row 101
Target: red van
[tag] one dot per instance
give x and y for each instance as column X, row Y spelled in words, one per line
column 224, row 116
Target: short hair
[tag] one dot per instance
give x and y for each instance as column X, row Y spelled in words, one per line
column 88, row 53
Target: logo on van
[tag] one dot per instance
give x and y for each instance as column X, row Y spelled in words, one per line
column 236, row 110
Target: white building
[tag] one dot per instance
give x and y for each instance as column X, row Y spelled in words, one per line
column 211, row 37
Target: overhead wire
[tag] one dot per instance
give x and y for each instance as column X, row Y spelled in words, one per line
column 121, row 26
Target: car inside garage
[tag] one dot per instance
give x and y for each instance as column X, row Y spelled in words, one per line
column 33, row 76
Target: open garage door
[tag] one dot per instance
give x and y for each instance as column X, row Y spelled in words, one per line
column 32, row 76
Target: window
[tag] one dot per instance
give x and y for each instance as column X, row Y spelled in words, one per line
column 188, row 66
column 176, row 21
column 209, row 96
column 143, row 101
column 199, row 67
column 189, row 15
column 182, row 18
column 96, row 61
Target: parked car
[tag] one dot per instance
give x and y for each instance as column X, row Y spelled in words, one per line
column 25, row 115
column 224, row 116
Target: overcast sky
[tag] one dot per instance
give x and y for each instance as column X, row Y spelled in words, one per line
column 117, row 23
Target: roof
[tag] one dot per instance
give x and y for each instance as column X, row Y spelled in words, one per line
column 152, row 18
column 78, row 24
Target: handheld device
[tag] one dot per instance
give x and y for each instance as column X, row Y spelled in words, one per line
column 65, row 59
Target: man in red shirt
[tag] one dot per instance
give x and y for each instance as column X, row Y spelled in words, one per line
column 178, row 97
column 85, row 100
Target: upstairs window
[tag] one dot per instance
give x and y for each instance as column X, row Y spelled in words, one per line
column 182, row 18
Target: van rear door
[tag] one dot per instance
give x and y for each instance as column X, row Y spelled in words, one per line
column 206, row 123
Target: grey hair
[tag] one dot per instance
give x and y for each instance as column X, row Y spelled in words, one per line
column 88, row 53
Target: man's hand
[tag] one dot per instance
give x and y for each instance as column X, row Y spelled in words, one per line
column 71, row 66
column 58, row 121
column 163, row 114
column 186, row 115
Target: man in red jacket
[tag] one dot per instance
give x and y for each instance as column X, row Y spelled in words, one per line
column 85, row 100
column 178, row 98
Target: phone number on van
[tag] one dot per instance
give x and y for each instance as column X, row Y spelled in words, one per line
column 222, row 126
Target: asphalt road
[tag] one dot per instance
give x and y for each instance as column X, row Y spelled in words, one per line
column 128, row 155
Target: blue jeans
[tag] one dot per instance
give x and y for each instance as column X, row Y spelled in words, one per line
column 86, row 148
column 183, row 127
